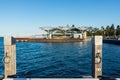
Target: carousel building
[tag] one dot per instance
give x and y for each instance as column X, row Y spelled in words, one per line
column 65, row 32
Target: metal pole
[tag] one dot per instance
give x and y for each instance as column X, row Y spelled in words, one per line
column 97, row 57
column 9, row 56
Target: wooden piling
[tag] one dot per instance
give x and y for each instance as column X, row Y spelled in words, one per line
column 97, row 57
column 9, row 56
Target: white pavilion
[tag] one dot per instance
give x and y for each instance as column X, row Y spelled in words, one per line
column 65, row 32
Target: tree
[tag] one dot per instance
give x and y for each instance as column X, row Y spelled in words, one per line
column 118, row 30
column 98, row 32
column 89, row 33
column 112, row 30
column 73, row 25
column 103, row 31
column 107, row 30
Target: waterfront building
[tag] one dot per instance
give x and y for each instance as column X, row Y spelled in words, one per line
column 65, row 32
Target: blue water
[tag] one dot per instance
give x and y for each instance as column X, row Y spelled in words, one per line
column 61, row 59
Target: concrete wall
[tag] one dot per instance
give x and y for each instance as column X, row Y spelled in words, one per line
column 77, row 36
column 85, row 34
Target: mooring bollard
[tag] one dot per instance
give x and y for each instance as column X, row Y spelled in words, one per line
column 9, row 56
column 97, row 57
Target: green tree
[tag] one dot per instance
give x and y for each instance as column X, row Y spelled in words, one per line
column 89, row 33
column 118, row 30
column 73, row 25
column 112, row 30
column 98, row 32
column 107, row 30
column 103, row 31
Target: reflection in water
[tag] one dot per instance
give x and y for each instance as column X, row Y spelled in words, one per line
column 83, row 43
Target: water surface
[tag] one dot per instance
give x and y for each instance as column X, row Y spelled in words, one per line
column 61, row 59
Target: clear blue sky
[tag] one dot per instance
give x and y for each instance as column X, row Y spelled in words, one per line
column 24, row 17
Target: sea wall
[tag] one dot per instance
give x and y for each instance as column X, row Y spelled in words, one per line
column 111, row 41
column 47, row 40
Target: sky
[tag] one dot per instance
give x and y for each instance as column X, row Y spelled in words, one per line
column 24, row 17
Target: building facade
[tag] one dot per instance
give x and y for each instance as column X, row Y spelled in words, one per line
column 65, row 32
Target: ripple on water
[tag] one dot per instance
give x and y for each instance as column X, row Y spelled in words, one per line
column 61, row 59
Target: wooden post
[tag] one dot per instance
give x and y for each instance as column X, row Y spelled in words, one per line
column 97, row 57
column 9, row 56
